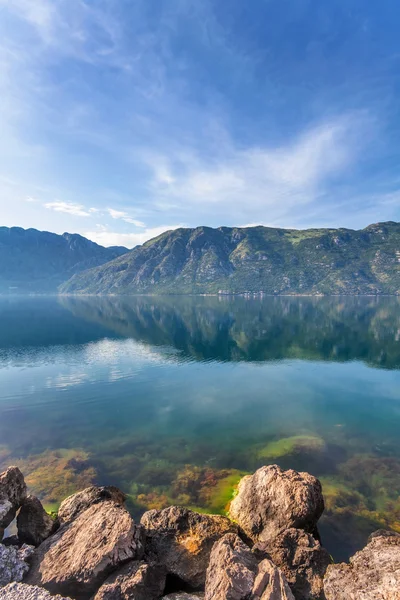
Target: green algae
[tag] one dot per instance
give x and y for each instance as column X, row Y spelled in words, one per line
column 291, row 445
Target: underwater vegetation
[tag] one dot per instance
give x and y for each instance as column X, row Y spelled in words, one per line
column 55, row 474
column 291, row 445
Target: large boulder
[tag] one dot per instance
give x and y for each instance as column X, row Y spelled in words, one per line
column 12, row 493
column 182, row 540
column 235, row 574
column 373, row 573
column 184, row 596
column 301, row 559
column 270, row 583
column 272, row 500
column 33, row 523
column 138, row 580
column 22, row 591
column 78, row 558
column 74, row 505
column 13, row 563
column 232, row 570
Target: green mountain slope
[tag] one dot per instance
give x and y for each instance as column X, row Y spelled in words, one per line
column 254, row 259
column 39, row 261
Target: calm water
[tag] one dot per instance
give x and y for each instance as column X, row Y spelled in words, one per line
column 173, row 399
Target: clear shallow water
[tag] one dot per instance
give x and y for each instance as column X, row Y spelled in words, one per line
column 173, row 399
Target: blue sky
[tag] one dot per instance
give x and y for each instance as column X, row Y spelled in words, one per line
column 123, row 118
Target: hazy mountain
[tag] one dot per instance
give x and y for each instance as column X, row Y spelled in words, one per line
column 254, row 259
column 38, row 261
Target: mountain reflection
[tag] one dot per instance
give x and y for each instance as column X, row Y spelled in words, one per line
column 240, row 329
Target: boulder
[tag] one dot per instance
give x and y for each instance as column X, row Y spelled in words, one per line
column 373, row 573
column 184, row 596
column 13, row 563
column 22, row 591
column 182, row 540
column 33, row 523
column 137, row 580
column 78, row 558
column 12, row 493
column 272, row 500
column 72, row 506
column 301, row 559
column 270, row 583
column 232, row 570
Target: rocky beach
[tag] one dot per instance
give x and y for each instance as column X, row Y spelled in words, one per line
column 267, row 548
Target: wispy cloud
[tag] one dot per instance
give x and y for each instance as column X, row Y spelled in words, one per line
column 77, row 210
column 118, row 214
column 130, row 240
column 248, row 182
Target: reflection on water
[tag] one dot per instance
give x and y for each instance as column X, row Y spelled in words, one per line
column 173, row 399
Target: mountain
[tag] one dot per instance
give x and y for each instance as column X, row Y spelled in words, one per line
column 39, row 261
column 253, row 259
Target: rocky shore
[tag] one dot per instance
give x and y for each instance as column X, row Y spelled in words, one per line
column 267, row 549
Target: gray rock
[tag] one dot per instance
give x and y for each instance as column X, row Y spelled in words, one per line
column 272, row 500
column 301, row 559
column 12, row 493
column 184, row 596
column 373, row 573
column 137, row 580
column 232, row 570
column 33, row 523
column 270, row 583
column 13, row 563
column 77, row 559
column 74, row 505
column 182, row 540
column 22, row 591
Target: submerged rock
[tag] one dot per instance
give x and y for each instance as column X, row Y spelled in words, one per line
column 232, row 570
column 273, row 500
column 13, row 563
column 136, row 580
column 77, row 559
column 33, row 523
column 74, row 505
column 182, row 540
column 12, row 493
column 373, row 573
column 301, row 559
column 22, row 591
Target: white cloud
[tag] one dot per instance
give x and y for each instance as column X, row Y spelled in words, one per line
column 129, row 240
column 245, row 183
column 77, row 210
column 118, row 214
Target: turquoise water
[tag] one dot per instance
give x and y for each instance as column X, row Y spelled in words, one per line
column 173, row 399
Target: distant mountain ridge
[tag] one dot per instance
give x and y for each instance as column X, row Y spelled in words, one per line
column 39, row 261
column 253, row 260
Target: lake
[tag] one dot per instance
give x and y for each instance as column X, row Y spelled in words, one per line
column 173, row 399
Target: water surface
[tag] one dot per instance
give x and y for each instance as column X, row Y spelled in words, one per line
column 173, row 399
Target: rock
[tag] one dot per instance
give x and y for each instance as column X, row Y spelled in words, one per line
column 272, row 500
column 270, row 583
column 184, row 596
column 72, row 506
column 137, row 580
column 13, row 563
column 373, row 573
column 78, row 558
column 232, row 570
column 182, row 540
column 12, row 493
column 33, row 523
column 22, row 591
column 301, row 559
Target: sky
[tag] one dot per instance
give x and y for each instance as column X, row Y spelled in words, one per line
column 120, row 119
